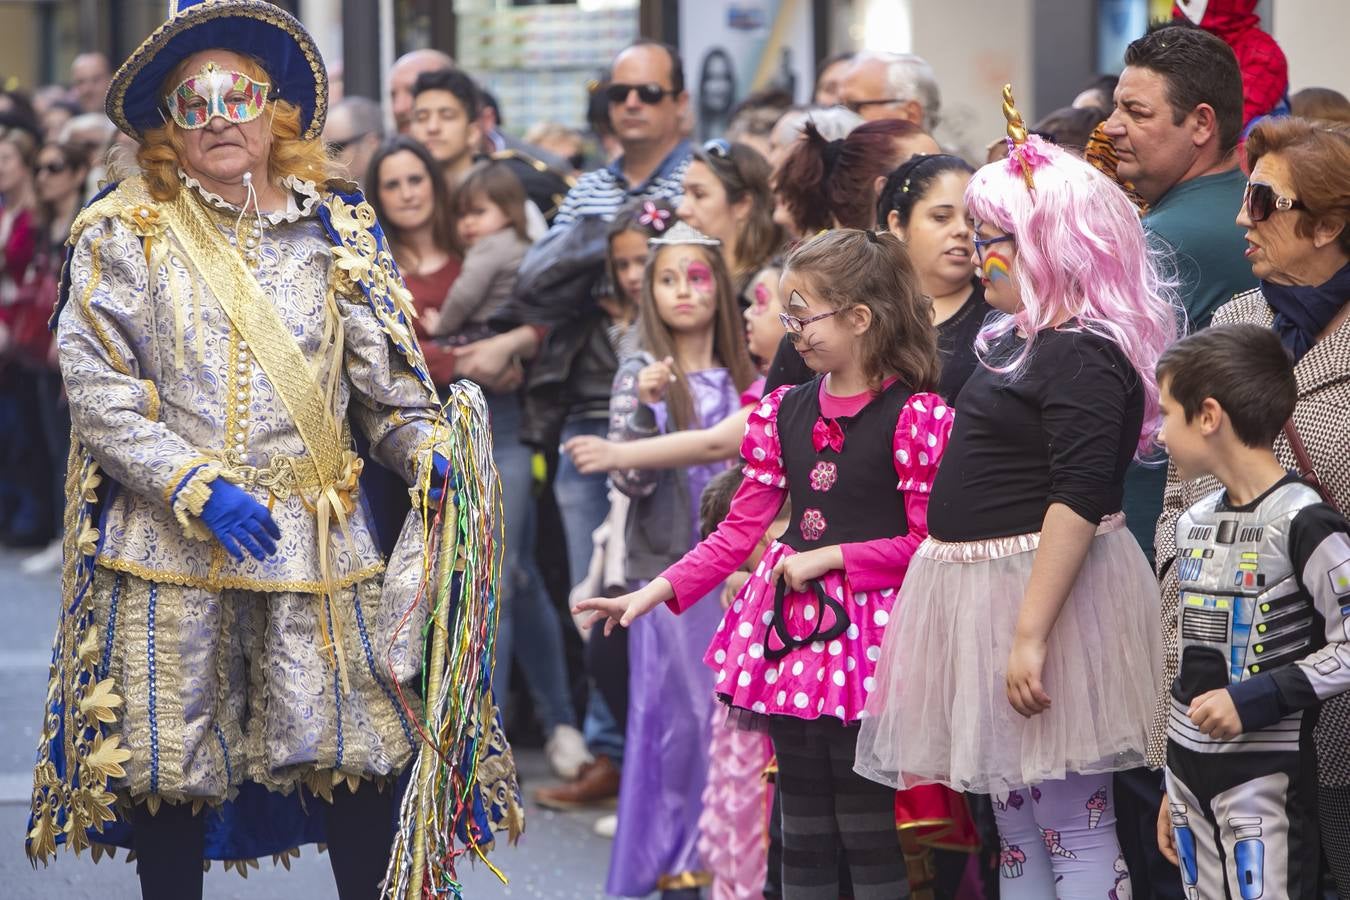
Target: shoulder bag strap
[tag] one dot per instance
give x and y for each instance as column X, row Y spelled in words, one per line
column 1305, row 465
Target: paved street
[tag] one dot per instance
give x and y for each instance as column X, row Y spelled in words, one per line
column 559, row 856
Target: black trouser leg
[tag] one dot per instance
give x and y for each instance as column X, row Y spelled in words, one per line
column 360, row 836
column 1138, row 794
column 170, row 845
column 607, row 665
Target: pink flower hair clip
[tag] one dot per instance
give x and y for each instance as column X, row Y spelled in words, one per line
column 653, row 216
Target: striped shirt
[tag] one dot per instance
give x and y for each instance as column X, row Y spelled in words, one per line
column 604, row 192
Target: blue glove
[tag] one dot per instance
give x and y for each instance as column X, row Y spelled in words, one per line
column 239, row 522
column 440, row 467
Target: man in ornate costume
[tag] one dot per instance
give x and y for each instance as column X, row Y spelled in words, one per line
column 237, row 669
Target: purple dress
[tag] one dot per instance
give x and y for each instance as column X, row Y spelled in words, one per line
column 670, row 699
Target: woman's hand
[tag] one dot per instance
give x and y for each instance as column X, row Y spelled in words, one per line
column 654, row 379
column 592, row 455
column 430, row 318
column 1025, row 663
column 1167, row 839
column 624, row 609
column 735, row 581
column 800, row 568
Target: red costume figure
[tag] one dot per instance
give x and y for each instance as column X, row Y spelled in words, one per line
column 1265, row 72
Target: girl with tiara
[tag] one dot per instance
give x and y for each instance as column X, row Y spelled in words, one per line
column 856, row 449
column 1023, row 656
column 690, row 374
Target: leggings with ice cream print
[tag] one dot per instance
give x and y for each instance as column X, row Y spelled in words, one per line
column 1057, row 839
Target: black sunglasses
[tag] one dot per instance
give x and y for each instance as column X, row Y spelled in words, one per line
column 342, row 145
column 52, row 168
column 718, row 148
column 1262, row 201
column 649, row 94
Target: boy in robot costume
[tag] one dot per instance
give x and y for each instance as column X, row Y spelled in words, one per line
column 1265, row 594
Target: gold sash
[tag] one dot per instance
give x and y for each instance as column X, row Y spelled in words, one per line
column 336, row 468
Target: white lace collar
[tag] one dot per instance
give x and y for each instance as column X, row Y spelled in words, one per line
column 294, row 211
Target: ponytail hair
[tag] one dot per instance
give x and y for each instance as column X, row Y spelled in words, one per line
column 826, row 183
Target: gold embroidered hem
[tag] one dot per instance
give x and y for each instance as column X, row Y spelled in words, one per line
column 219, row 687
column 217, row 582
column 684, row 881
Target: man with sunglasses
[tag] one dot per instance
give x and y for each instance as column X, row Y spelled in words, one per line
column 1176, row 126
column 647, row 106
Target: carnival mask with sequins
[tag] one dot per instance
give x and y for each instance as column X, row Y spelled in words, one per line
column 214, row 91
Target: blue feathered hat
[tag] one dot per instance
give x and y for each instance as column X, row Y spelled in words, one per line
column 253, row 28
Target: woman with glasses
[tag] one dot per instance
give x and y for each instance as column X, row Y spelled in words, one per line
column 727, row 197
column 1022, row 656
column 1296, row 216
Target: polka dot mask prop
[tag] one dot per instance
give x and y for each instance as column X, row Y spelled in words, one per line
column 214, row 91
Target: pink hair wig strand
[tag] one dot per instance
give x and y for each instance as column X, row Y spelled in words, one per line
column 1082, row 256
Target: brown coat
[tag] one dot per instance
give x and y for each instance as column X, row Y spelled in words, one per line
column 1322, row 417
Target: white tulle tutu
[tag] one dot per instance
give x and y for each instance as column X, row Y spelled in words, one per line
column 940, row 710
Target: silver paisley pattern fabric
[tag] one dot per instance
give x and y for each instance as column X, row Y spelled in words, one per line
column 147, row 426
column 223, row 664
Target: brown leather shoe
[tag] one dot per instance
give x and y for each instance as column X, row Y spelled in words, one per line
column 597, row 786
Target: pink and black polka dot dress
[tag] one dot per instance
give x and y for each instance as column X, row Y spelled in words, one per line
column 860, row 481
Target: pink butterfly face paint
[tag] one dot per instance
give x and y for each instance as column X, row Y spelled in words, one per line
column 699, row 278
column 762, row 297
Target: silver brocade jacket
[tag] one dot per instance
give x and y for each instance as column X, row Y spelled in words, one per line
column 161, row 383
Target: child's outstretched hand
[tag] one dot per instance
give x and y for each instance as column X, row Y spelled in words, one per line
column 1214, row 713
column 654, row 379
column 624, row 609
column 1025, row 664
column 591, row 455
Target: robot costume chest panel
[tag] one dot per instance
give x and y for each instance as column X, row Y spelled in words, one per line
column 1242, row 610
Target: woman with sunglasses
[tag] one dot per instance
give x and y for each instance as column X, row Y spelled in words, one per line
column 25, row 519
column 1296, row 218
column 727, row 197
column 61, row 170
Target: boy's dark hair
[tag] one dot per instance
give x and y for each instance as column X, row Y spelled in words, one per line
column 456, row 82
column 1198, row 68
column 715, row 502
column 1247, row 371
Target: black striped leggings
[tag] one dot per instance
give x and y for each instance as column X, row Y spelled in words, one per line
column 827, row 806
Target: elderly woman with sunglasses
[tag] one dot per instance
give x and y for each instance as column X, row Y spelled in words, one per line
column 1296, row 215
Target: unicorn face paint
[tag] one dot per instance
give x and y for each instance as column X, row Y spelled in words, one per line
column 995, row 256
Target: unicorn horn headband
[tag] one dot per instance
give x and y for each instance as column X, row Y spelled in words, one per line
column 1021, row 153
